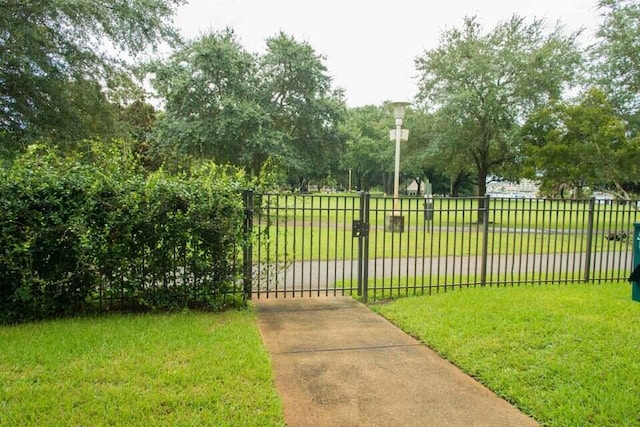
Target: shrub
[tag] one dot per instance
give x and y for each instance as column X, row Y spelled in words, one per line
column 90, row 229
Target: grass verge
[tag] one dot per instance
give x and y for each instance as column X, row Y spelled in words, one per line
column 179, row 369
column 565, row 354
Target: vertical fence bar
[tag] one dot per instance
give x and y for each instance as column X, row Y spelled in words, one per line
column 485, row 241
column 319, row 262
column 553, row 254
column 365, row 248
column 442, row 230
column 496, row 240
column 548, row 234
column 295, row 247
column 247, row 255
column 284, row 208
column 275, row 206
column 418, row 233
column 393, row 252
column 587, row 271
column 409, row 235
column 454, row 251
column 427, row 223
column 474, row 227
column 303, row 245
column 445, row 279
column 616, row 267
column 608, row 216
column 336, row 213
column 519, row 229
column 265, row 213
column 360, row 245
column 351, row 246
column 601, row 225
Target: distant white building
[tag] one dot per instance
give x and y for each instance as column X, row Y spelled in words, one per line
column 525, row 189
column 412, row 189
column 602, row 197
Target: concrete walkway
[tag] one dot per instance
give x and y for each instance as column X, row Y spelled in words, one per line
column 336, row 363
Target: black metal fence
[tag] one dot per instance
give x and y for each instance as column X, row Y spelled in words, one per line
column 320, row 245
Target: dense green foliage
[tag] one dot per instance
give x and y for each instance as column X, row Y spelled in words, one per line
column 209, row 89
column 589, row 133
column 369, row 154
column 566, row 355
column 91, row 227
column 483, row 84
column 481, row 87
column 616, row 57
column 62, row 73
column 72, row 70
column 225, row 104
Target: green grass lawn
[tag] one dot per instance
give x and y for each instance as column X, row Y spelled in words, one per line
column 568, row 355
column 318, row 241
column 137, row 370
column 294, row 228
column 518, row 213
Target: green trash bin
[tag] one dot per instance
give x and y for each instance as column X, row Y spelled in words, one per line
column 635, row 281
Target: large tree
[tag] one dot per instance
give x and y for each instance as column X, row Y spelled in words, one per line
column 212, row 103
column 226, row 104
column 369, row 152
column 303, row 106
column 61, row 60
column 427, row 155
column 616, row 57
column 571, row 147
column 484, row 84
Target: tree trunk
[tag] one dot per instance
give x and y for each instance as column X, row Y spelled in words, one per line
column 387, row 183
column 303, row 184
column 454, row 189
column 482, row 190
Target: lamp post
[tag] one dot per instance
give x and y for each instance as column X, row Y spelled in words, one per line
column 396, row 221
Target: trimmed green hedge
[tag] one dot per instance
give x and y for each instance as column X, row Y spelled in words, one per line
column 91, row 230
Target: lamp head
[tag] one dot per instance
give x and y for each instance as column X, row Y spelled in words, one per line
column 398, row 109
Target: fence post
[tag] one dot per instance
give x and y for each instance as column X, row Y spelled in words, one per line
column 485, row 241
column 247, row 254
column 587, row 267
column 361, row 231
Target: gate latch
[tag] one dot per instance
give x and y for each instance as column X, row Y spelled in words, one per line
column 360, row 229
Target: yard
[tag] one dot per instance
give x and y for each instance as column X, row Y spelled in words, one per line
column 564, row 354
column 137, row 370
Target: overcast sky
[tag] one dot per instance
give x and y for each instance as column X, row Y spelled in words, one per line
column 369, row 45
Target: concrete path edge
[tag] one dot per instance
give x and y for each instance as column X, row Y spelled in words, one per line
column 336, row 363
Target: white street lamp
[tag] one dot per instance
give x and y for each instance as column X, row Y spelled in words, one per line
column 398, row 114
column 396, row 221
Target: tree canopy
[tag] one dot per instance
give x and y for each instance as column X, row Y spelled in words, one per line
column 303, row 106
column 490, row 102
column 211, row 102
column 61, row 62
column 484, row 84
column 616, row 57
column 574, row 146
column 369, row 154
column 231, row 106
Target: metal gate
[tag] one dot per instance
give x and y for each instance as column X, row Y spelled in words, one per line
column 305, row 245
column 328, row 245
